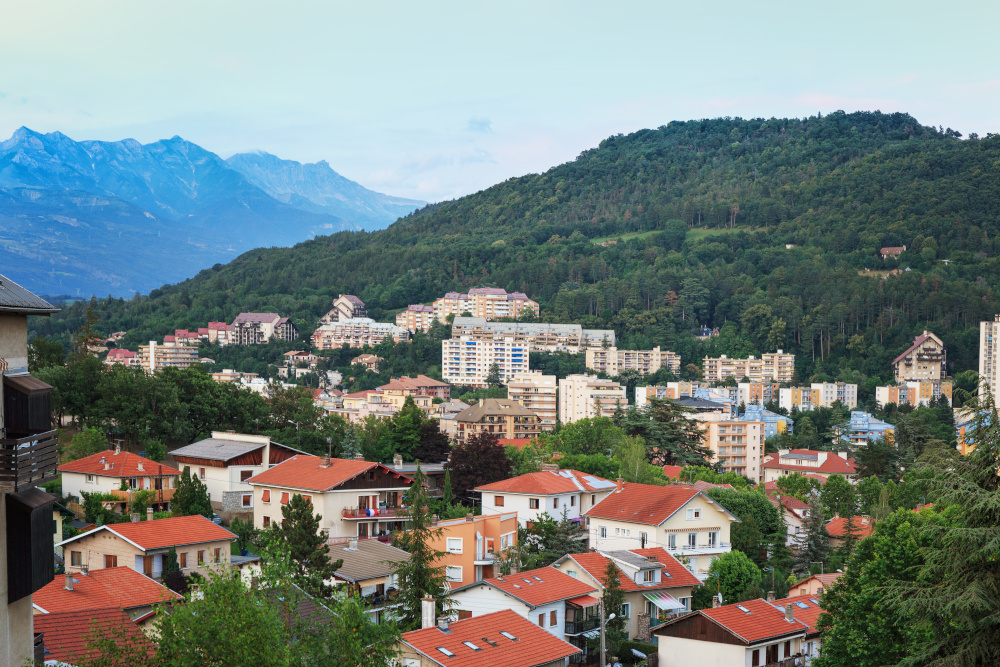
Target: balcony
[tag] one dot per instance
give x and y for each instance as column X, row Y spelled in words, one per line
column 377, row 513
column 488, row 558
column 696, row 549
column 579, row 627
column 29, row 461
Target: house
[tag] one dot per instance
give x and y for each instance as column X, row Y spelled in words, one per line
column 795, row 513
column 678, row 518
column 104, row 472
column 473, row 545
column 806, row 609
column 750, row 633
column 355, row 498
column 120, row 355
column 67, row 634
column 926, row 359
column 345, row 307
column 892, row 252
column 118, row 587
column 434, row 473
column 837, row 529
column 502, row 638
column 298, row 363
column 808, row 462
column 142, row 545
column 552, row 492
column 367, row 572
column 226, row 461
column 422, row 389
column 657, row 586
column 553, row 599
column 369, row 361
column 814, row 585
column 501, row 417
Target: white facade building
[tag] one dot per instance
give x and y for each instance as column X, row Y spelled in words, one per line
column 466, row 361
column 583, row 396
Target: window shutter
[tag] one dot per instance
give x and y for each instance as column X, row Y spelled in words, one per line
column 266, row 497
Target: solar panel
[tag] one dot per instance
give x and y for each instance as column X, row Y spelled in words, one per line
column 814, row 601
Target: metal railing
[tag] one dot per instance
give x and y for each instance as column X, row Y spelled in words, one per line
column 376, row 512
column 29, row 461
column 576, row 627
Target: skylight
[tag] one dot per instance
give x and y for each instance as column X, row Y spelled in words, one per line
column 472, row 646
column 508, row 635
column 801, row 605
column 516, row 586
column 814, row 601
column 536, row 578
column 743, row 609
column 446, row 651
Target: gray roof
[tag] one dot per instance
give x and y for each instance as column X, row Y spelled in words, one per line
column 700, row 403
column 634, row 560
column 411, row 468
column 371, row 560
column 16, row 299
column 222, row 450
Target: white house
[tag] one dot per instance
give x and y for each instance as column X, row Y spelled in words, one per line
column 551, row 491
column 105, row 471
column 795, row 513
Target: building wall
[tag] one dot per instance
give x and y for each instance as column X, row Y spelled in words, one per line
column 580, row 396
column 538, row 393
column 74, row 483
column 95, row 547
column 676, row 652
column 16, row 622
column 989, row 359
column 520, row 503
column 466, row 361
column 492, row 529
column 738, row 446
column 926, row 363
column 329, row 506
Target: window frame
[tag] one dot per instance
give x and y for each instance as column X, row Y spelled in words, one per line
column 182, row 560
column 553, row 618
column 449, row 576
column 602, row 531
column 76, row 559
column 534, row 504
column 498, row 501
column 247, row 500
column 449, row 545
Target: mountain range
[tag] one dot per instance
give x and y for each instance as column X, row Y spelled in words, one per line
column 100, row 217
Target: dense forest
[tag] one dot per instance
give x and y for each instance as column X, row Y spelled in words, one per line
column 768, row 229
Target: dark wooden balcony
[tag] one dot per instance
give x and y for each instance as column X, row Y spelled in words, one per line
column 29, row 461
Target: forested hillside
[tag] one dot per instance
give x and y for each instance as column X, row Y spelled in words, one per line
column 764, row 228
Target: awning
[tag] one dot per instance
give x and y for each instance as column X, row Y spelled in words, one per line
column 663, row 601
column 584, row 601
column 591, row 633
column 26, row 384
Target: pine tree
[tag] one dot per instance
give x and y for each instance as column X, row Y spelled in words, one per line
column 191, row 497
column 299, row 530
column 447, row 496
column 350, row 446
column 493, row 378
column 813, row 542
column 612, row 600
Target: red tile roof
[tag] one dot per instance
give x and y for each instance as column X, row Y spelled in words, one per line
column 833, row 463
column 541, row 586
column 307, row 472
column 531, row 645
column 761, row 621
column 595, row 563
column 413, row 383
column 68, row 633
column 826, row 580
column 791, row 503
column 837, row 526
column 643, row 503
column 122, row 464
column 809, row 615
column 516, row 442
column 549, row 482
column 672, row 472
column 163, row 533
column 120, row 587
column 678, row 574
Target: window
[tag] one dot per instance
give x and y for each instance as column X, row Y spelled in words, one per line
column 247, row 499
column 602, row 531
column 541, row 620
column 553, row 617
column 533, row 503
column 75, row 559
column 182, row 560
column 571, row 573
column 713, row 538
column 245, row 475
column 201, row 473
column 201, row 557
column 454, row 572
column 626, row 610
column 572, row 501
column 555, row 503
column 672, row 541
column 90, row 479
column 284, row 497
column 692, row 540
column 643, row 538
column 694, row 513
column 648, row 576
column 755, row 658
column 593, row 499
column 110, row 561
column 266, row 496
column 454, row 545
column 788, row 649
column 498, row 501
column 267, row 521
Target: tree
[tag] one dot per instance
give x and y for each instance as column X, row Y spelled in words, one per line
column 246, row 534
column 759, row 520
column 633, row 465
column 86, row 334
column 878, row 458
column 350, row 446
column 735, row 576
column 671, row 437
column 191, row 497
column 173, row 578
column 493, row 378
column 796, row 484
column 306, row 548
column 434, row 445
column 44, row 353
column 447, row 495
column 155, row 450
column 838, row 496
column 813, row 542
column 477, row 461
column 86, row 442
column 612, row 599
column 419, row 576
column 141, row 500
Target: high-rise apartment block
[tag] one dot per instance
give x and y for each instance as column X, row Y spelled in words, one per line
column 989, row 359
column 583, row 396
column 738, row 446
column 539, row 337
column 345, row 307
column 818, row 395
column 416, row 318
column 357, row 332
column 612, row 360
column 538, row 393
column 169, row 354
column 489, row 302
column 774, row 366
column 467, row 361
column 926, row 359
column 756, row 393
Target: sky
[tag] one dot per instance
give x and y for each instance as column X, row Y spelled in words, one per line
column 435, row 100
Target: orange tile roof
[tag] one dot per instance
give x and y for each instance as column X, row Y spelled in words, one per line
column 550, row 482
column 672, row 472
column 530, row 646
column 413, row 383
column 120, row 587
column 827, row 579
column 163, row 533
column 837, row 526
column 791, row 503
column 643, row 503
column 832, row 464
column 122, row 464
column 516, row 442
column 679, row 575
column 540, row 586
column 762, row 620
column 809, row 615
column 68, row 633
column 595, row 563
column 303, row 471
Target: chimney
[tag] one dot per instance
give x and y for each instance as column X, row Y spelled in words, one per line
column 135, row 517
column 85, row 570
column 770, row 596
column 324, row 462
column 118, row 448
column 69, row 581
column 443, row 623
column 716, row 602
column 789, row 614
column 107, row 466
column 620, row 483
column 428, row 607
column 359, row 457
column 397, row 460
column 550, row 467
column 149, row 514
column 434, row 519
column 352, row 544
column 139, row 466
column 470, row 517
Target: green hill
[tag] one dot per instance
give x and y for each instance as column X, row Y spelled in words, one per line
column 692, row 221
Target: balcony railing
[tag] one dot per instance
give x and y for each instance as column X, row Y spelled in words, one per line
column 576, row 627
column 29, row 461
column 381, row 512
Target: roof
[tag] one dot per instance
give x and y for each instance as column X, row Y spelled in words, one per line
column 353, row 299
column 833, row 463
column 413, row 383
column 16, row 299
column 500, row 638
column 163, row 533
column 893, row 249
column 537, row 587
column 122, row 464
column 120, row 353
column 549, row 482
column 672, row 472
column 805, row 608
column 118, row 587
column 256, row 317
column 218, row 449
column 917, row 342
column 492, row 406
column 752, row 621
column 420, row 308
column 645, row 503
column 675, row 574
column 303, row 471
column 68, row 633
column 791, row 503
column 371, row 559
column 826, row 579
column 837, row 526
column 514, row 442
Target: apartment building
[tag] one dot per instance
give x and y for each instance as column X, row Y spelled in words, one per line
column 258, row 328
column 491, row 303
column 537, row 393
column 774, row 423
column 357, row 332
column 169, row 354
column 612, row 360
column 220, row 332
column 671, row 390
column 774, row 366
column 756, row 393
column 501, row 417
column 818, row 395
column 738, row 446
column 863, row 427
column 925, row 360
column 415, row 318
column 989, row 359
column 473, row 545
column 914, row 393
column 539, row 337
column 345, row 307
column 583, row 396
column 466, row 361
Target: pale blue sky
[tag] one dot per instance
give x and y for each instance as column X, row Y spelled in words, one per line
column 434, row 100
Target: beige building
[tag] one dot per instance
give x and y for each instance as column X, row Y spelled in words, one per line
column 775, row 366
column 925, row 360
column 913, row 393
column 169, row 354
column 818, row 395
column 756, row 393
column 989, row 359
column 357, row 332
column 466, row 361
column 416, row 317
column 258, row 328
column 583, row 396
column 501, row 417
column 738, row 446
column 345, row 307
column 490, row 303
column 537, row 336
column 537, row 393
column 612, row 360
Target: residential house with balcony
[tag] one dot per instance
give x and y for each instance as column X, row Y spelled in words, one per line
column 582, row 396
column 104, row 472
column 657, row 588
column 754, row 633
column 366, row 572
column 925, row 360
column 142, row 545
column 355, row 498
column 806, row 609
column 501, row 417
column 119, row 355
column 367, row 361
column 345, row 307
column 472, row 545
column 422, row 389
column 226, row 461
column 551, row 492
column 679, row 518
column 808, row 462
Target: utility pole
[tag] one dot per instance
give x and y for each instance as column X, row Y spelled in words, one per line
column 603, row 661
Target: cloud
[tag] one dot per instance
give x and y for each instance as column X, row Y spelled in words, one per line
column 481, row 125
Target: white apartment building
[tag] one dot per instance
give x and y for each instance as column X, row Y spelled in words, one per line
column 157, row 356
column 989, row 359
column 538, row 336
column 913, row 393
column 538, row 393
column 357, row 332
column 612, row 360
column 775, row 366
column 488, row 302
column 466, row 361
column 583, row 396
column 818, row 395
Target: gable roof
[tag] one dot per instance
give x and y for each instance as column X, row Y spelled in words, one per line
column 837, row 526
column 825, row 579
column 790, row 503
column 16, row 299
column 370, row 560
column 752, row 621
column 118, row 587
column 413, row 383
column 674, row 573
column 647, row 504
column 524, row 644
column 537, row 587
column 672, row 472
column 520, row 443
column 256, row 317
column 833, row 463
column 805, row 608
column 122, row 464
column 549, row 482
column 917, row 342
column 224, row 449
column 304, row 471
column 68, row 633
column 163, row 533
